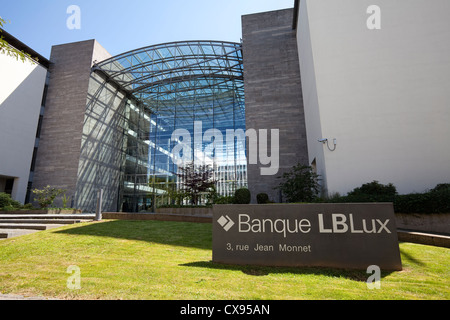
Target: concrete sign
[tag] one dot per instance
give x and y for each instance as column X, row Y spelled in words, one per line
column 352, row 236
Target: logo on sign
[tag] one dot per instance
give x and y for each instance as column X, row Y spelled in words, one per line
column 226, row 222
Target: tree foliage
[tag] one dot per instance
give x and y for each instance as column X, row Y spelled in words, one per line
column 6, row 48
column 301, row 184
column 262, row 198
column 46, row 196
column 242, row 196
column 195, row 180
column 175, row 196
column 7, row 201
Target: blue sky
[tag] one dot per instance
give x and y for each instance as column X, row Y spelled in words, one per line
column 123, row 25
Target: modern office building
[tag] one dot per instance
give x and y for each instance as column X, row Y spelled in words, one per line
column 358, row 94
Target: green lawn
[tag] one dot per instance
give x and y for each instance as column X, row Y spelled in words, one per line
column 169, row 260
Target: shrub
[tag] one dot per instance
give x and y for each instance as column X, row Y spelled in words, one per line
column 442, row 187
column 7, row 201
column 436, row 200
column 440, row 199
column 9, row 208
column 176, row 206
column 28, row 206
column 374, row 192
column 242, row 196
column 368, row 192
column 412, row 203
column 262, row 198
column 224, row 200
column 301, row 184
column 4, row 199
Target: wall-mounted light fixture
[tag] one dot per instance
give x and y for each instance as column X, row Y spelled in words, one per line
column 325, row 141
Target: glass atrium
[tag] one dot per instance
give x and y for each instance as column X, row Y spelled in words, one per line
column 187, row 94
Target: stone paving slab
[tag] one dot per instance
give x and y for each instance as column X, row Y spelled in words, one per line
column 13, row 233
column 11, row 297
column 7, row 234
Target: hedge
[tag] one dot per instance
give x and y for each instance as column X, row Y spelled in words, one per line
column 429, row 202
column 262, row 198
column 436, row 200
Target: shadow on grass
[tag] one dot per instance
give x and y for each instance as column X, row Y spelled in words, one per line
column 355, row 275
column 171, row 233
column 411, row 258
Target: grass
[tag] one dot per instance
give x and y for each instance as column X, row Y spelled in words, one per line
column 147, row 260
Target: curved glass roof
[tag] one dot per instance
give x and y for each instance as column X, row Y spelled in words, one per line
column 191, row 85
column 174, row 76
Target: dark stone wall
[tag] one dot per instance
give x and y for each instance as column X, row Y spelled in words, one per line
column 59, row 161
column 273, row 92
column 60, row 142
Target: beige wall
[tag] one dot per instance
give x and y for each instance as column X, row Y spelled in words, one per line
column 22, row 86
column 383, row 94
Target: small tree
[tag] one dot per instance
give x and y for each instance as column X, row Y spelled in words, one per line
column 301, row 184
column 195, row 180
column 46, row 196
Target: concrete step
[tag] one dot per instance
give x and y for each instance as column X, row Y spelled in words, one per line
column 431, row 239
column 48, row 216
column 40, row 221
column 31, row 226
column 15, row 225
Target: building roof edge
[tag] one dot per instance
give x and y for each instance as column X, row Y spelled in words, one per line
column 19, row 45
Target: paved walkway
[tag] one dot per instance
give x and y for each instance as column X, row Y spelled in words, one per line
column 18, row 297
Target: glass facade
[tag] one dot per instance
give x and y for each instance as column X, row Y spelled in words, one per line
column 180, row 103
